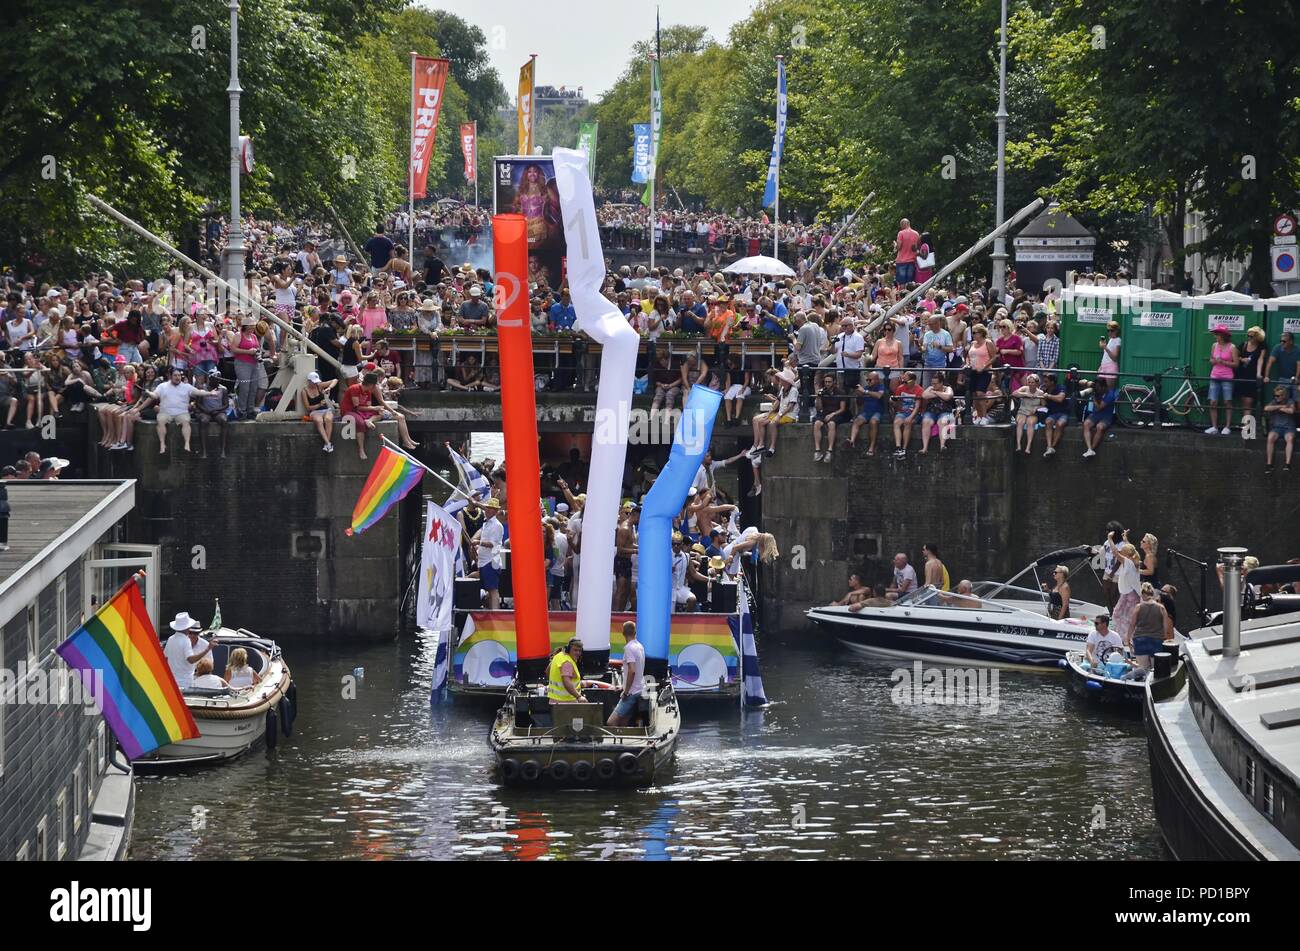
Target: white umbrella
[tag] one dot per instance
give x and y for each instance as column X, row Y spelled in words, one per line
column 759, row 264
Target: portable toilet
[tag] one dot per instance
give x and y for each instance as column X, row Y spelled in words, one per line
column 1237, row 312
column 1086, row 309
column 1283, row 314
column 1157, row 332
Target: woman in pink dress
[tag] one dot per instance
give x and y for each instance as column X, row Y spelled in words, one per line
column 1011, row 350
column 373, row 315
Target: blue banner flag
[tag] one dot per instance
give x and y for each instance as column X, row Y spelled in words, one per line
column 641, row 152
column 778, row 143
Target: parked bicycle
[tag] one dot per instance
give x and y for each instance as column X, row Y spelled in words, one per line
column 1142, row 405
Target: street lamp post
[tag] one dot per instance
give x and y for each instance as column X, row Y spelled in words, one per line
column 1000, row 244
column 234, row 269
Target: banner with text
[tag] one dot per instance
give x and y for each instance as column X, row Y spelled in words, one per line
column 426, row 104
column 641, row 152
column 587, row 143
column 469, row 148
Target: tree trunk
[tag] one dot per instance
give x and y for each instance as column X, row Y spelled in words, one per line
column 1261, row 261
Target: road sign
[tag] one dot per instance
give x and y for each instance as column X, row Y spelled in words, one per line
column 1284, row 264
column 1284, row 225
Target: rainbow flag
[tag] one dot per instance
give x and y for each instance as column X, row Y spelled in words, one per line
column 139, row 698
column 393, row 476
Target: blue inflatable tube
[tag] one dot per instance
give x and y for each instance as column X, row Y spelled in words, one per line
column 654, row 597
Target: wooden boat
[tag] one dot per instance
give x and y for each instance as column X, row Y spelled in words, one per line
column 1127, row 691
column 233, row 721
column 537, row 743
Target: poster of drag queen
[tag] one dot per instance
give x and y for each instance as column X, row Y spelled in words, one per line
column 525, row 185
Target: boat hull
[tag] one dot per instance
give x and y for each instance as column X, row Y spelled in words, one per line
column 1019, row 646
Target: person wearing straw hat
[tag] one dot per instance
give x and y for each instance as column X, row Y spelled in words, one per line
column 340, row 277
column 487, row 544
column 1224, row 361
column 183, row 650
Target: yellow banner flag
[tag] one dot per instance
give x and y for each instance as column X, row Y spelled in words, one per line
column 525, row 107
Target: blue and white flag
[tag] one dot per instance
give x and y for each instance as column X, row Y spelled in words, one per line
column 742, row 631
column 471, row 478
column 640, row 152
column 441, row 665
column 778, row 143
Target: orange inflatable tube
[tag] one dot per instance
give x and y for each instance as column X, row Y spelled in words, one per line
column 519, row 425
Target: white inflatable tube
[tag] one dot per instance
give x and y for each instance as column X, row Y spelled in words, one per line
column 602, row 321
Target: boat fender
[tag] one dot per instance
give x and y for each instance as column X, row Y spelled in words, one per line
column 1093, row 684
column 1062, row 663
column 529, row 770
column 627, row 764
column 291, row 695
column 285, row 710
column 582, row 771
column 509, row 770
column 606, row 768
column 272, row 727
column 560, row 770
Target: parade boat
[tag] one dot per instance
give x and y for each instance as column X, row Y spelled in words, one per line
column 1001, row 624
column 536, row 742
column 1223, row 732
column 232, row 721
column 1119, row 685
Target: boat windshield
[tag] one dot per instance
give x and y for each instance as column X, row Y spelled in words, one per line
column 999, row 591
column 931, row 597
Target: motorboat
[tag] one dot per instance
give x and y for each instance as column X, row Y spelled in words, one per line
column 1222, row 720
column 232, row 721
column 1117, row 684
column 536, row 742
column 1000, row 624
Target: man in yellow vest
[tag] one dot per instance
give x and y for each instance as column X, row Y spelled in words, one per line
column 565, row 684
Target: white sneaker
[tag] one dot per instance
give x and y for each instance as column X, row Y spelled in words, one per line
column 1225, row 431
column 1050, row 451
column 817, row 455
column 1089, row 454
column 1211, row 431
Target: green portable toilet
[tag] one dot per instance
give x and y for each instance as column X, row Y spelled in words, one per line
column 1086, row 309
column 1283, row 314
column 1157, row 332
column 1237, row 312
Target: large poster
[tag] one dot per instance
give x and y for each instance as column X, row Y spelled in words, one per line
column 428, row 78
column 525, row 185
column 437, row 570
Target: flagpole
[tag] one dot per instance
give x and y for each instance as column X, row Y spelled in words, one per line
column 776, row 211
column 410, row 170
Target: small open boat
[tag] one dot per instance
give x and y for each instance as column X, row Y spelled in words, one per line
column 233, row 721
column 536, row 742
column 1120, row 684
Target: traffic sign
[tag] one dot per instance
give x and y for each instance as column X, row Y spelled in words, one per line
column 1284, row 225
column 1284, row 264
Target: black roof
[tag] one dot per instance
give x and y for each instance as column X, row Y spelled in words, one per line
column 1054, row 223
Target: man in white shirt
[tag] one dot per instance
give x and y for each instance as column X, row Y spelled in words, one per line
column 904, row 578
column 849, row 346
column 183, row 650
column 633, row 678
column 489, row 540
column 1102, row 640
column 173, row 399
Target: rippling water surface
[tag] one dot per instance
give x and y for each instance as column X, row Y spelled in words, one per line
column 835, row 769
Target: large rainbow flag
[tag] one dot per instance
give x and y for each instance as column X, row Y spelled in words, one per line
column 393, row 476
column 139, row 699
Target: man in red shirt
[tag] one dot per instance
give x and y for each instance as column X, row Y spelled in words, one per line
column 907, row 407
column 905, row 246
column 359, row 402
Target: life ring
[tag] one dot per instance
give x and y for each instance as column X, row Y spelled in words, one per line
column 529, row 770
column 509, row 770
column 582, row 771
column 627, row 764
column 272, row 728
column 606, row 769
column 559, row 770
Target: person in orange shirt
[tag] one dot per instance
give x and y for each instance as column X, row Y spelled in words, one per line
column 721, row 320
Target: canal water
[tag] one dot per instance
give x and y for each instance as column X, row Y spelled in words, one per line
column 834, row 769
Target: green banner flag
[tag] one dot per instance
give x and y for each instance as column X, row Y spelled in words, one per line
column 656, row 117
column 587, row 143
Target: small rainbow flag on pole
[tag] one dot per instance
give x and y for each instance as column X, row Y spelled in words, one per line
column 139, row 698
column 393, row 476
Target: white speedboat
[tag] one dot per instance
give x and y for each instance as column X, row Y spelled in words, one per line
column 1000, row 624
column 233, row 721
